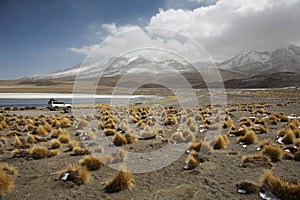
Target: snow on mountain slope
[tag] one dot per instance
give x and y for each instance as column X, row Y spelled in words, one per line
column 121, row 65
column 285, row 59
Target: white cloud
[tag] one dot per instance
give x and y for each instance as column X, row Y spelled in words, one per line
column 224, row 29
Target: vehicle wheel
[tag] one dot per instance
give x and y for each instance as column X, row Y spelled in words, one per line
column 55, row 108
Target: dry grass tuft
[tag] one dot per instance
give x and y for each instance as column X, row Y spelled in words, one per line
column 40, row 152
column 273, row 152
column 41, row 130
column 80, row 151
column 3, row 124
column 247, row 187
column 249, row 138
column 109, row 132
column 246, row 122
column 201, row 147
column 64, row 137
column 123, row 180
column 8, row 169
column 6, row 183
column 20, row 143
column 240, row 132
column 55, row 144
column 191, row 162
column 65, row 122
column 76, row 174
column 119, row 139
column 91, row 162
column 130, row 138
column 171, row 120
column 289, row 137
column 47, row 127
column 228, row 123
column 280, row 188
column 220, row 142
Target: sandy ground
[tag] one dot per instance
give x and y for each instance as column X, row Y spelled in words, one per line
column 213, row 179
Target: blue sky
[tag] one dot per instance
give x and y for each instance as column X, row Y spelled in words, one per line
column 36, row 35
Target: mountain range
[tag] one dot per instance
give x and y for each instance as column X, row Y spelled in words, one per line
column 276, row 68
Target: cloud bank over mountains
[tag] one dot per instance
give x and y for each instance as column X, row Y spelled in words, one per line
column 224, row 29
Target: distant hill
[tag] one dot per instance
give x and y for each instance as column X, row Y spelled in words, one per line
column 285, row 59
column 274, row 80
column 276, row 68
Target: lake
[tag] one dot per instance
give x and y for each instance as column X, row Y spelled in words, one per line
column 41, row 99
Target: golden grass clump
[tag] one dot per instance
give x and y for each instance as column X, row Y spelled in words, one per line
column 73, row 144
column 191, row 162
column 64, row 137
column 20, row 153
column 6, row 183
column 65, row 122
column 201, row 147
column 80, row 151
column 254, row 161
column 220, row 142
column 260, row 129
column 249, row 138
column 56, row 123
column 76, row 174
column 109, row 132
column 20, row 143
column 289, row 137
column 171, row 120
column 246, row 122
column 239, row 132
column 247, row 187
column 284, row 118
column 91, row 162
column 8, row 169
column 273, row 152
column 41, row 130
column 47, row 127
column 280, row 188
column 130, row 138
column 122, row 180
column 228, row 123
column 3, row 124
column 101, row 125
column 55, row 144
column 40, row 152
column 119, row 139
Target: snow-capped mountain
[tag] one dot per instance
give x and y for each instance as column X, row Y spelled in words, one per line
column 285, row 59
column 121, row 65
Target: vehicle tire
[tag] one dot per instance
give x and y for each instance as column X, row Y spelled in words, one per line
column 55, row 108
column 68, row 108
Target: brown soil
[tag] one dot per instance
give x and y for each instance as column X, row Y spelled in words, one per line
column 213, row 179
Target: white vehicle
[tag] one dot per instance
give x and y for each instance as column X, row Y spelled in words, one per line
column 58, row 105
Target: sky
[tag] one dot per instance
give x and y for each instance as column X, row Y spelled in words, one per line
column 42, row 36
